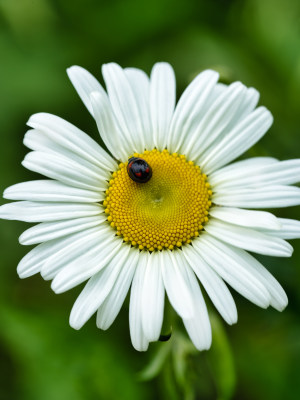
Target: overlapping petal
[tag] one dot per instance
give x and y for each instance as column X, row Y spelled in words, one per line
column 249, row 239
column 70, row 138
column 244, row 135
column 111, row 306
column 56, row 229
column 228, row 266
column 189, row 109
column 97, row 289
column 125, row 106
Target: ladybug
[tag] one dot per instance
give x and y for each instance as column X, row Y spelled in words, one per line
column 139, row 170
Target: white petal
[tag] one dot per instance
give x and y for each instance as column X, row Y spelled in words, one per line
column 290, row 229
column 108, row 127
column 280, row 173
column 78, row 269
column 176, row 281
column 96, row 290
column 213, row 284
column 40, row 141
column 162, row 101
column 153, row 296
column 266, row 197
column 248, row 239
column 85, row 83
column 125, row 105
column 138, row 338
column 217, row 255
column 36, row 258
column 140, row 85
column 68, row 136
column 225, row 173
column 248, row 218
column 198, row 327
column 64, row 170
column 221, row 113
column 245, row 134
column 42, row 212
column 189, row 109
column 110, row 308
column 56, row 229
column 279, row 299
column 44, row 145
column 37, row 140
column 49, row 190
column 82, row 242
column 247, row 105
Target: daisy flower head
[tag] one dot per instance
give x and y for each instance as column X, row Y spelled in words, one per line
column 165, row 209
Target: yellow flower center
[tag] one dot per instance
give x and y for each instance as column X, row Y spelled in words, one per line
column 165, row 212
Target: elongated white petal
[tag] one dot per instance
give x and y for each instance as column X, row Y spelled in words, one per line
column 97, row 289
column 162, row 101
column 266, row 197
column 216, row 119
column 290, row 229
column 33, row 262
column 108, row 127
column 78, row 266
column 189, row 109
column 49, row 190
column 245, row 134
column 246, row 106
column 64, row 170
column 41, row 142
column 85, row 83
column 279, row 299
column 46, row 146
column 213, row 284
column 280, row 173
column 253, row 163
column 73, row 139
column 86, row 265
column 153, row 296
column 248, row 239
column 73, row 250
column 248, row 218
column 198, row 327
column 231, row 270
column 56, row 229
column 125, row 105
column 41, row 212
column 111, row 306
column 176, row 281
column 140, row 85
column 138, row 338
column 38, row 140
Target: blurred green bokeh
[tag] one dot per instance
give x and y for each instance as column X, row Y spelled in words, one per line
column 255, row 41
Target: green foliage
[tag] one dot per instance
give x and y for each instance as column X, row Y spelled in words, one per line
column 255, row 41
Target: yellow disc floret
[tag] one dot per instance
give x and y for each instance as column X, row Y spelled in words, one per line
column 165, row 212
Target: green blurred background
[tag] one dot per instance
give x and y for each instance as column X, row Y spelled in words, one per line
column 255, row 41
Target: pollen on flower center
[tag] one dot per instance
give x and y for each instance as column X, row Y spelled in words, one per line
column 165, row 212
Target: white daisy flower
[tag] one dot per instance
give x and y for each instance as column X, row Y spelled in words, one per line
column 174, row 215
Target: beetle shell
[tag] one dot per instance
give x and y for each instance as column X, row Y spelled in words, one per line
column 139, row 170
